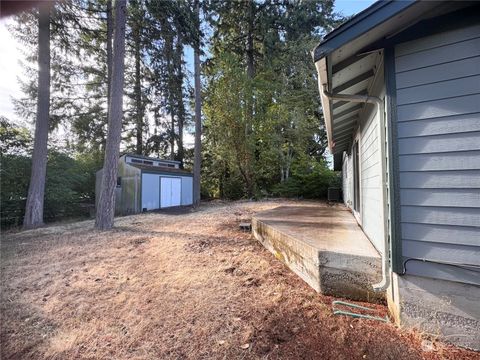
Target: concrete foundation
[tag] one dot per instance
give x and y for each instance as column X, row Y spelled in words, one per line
column 324, row 246
column 445, row 309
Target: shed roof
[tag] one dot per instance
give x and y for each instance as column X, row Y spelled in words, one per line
column 151, row 158
column 161, row 169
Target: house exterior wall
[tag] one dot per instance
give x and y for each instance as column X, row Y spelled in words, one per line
column 438, row 110
column 371, row 214
column 371, row 169
column 441, row 308
column 347, row 180
column 437, row 95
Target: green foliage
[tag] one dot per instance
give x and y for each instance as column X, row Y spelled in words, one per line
column 263, row 124
column 310, row 181
column 15, row 174
column 13, row 139
column 263, row 131
column 69, row 190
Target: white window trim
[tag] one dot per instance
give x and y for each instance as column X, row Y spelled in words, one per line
column 356, row 214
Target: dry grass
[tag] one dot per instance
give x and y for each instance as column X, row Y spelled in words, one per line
column 170, row 286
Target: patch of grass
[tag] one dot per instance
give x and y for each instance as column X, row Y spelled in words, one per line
column 165, row 286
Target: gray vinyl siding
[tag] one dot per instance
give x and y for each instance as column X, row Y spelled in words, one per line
column 370, row 181
column 438, row 126
column 372, row 212
column 371, row 201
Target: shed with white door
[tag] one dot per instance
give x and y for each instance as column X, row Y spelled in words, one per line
column 145, row 184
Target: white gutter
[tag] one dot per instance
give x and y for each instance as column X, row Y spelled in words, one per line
column 385, row 282
column 321, row 66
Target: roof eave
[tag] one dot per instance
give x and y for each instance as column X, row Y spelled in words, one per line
column 361, row 23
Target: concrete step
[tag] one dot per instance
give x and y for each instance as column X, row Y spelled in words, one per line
column 324, row 246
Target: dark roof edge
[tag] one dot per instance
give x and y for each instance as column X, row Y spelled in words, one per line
column 167, row 173
column 151, row 158
column 160, row 170
column 364, row 21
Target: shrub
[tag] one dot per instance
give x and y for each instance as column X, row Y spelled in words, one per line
column 69, row 187
column 311, row 183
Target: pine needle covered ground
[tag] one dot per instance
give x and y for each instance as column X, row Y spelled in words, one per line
column 177, row 286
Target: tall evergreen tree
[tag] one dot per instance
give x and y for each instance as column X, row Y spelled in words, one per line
column 106, row 204
column 197, row 162
column 36, row 189
column 109, row 46
column 261, row 99
column 174, row 25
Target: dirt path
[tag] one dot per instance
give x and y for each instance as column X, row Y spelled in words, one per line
column 176, row 286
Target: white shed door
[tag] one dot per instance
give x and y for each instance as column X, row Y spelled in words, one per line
column 150, row 191
column 171, row 191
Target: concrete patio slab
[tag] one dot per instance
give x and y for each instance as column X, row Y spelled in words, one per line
column 324, row 245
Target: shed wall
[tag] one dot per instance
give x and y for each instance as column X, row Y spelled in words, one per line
column 438, row 111
column 130, row 189
column 187, row 190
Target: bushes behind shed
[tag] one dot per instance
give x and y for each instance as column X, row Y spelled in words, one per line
column 69, row 189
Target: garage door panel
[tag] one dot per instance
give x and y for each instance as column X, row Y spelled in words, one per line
column 166, row 192
column 176, row 192
column 150, row 191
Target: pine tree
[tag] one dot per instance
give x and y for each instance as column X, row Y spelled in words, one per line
column 174, row 27
column 197, row 162
column 262, row 117
column 36, row 190
column 106, row 204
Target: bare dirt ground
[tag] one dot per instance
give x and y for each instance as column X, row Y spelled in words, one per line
column 177, row 286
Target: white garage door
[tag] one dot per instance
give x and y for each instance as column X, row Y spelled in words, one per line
column 171, row 191
column 150, row 191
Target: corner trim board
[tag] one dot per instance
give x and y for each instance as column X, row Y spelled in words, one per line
column 393, row 163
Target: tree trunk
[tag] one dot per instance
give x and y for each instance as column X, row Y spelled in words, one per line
column 170, row 93
column 197, row 161
column 36, row 190
column 289, row 163
column 250, row 49
column 109, row 49
column 179, row 93
column 249, row 175
column 172, row 136
column 250, row 66
column 138, row 89
column 106, row 204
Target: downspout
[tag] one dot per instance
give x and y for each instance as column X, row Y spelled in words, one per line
column 385, row 282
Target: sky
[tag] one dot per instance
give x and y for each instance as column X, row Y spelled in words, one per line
column 10, row 55
column 9, row 70
column 351, row 7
